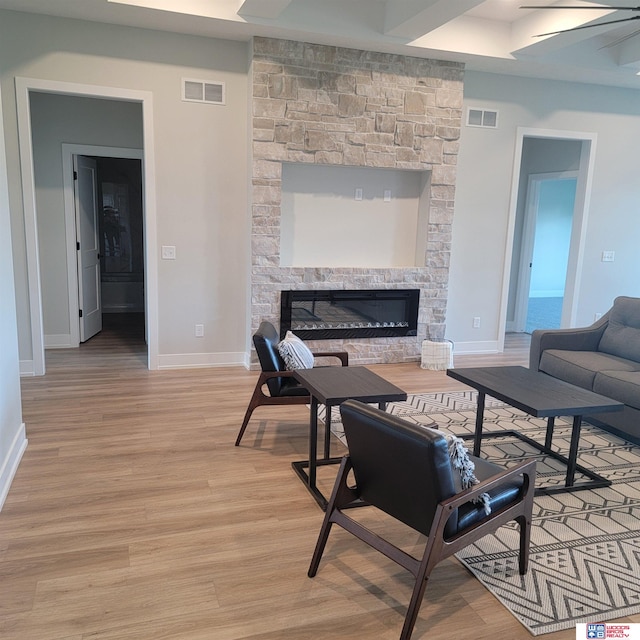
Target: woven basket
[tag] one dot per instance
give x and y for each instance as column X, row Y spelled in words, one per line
column 437, row 356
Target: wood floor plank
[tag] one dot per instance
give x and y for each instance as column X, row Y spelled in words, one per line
column 133, row 517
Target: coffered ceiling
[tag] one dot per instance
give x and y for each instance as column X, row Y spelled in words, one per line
column 490, row 35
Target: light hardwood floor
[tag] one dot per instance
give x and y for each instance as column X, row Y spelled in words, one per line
column 133, row 516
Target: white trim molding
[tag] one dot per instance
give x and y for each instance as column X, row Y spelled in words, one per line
column 481, row 346
column 202, row 360
column 11, row 462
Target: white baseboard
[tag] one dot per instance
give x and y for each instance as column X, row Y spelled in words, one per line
column 468, row 348
column 26, row 368
column 195, row 360
column 11, row 462
column 60, row 341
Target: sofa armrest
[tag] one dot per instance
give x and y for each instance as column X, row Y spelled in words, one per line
column 580, row 339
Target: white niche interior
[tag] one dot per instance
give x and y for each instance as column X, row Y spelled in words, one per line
column 336, row 216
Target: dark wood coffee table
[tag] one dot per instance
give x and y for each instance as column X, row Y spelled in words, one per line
column 331, row 386
column 540, row 396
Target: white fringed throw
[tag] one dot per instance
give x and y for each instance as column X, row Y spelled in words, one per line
column 460, row 460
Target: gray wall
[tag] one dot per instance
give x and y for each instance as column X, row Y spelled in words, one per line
column 200, row 161
column 483, row 192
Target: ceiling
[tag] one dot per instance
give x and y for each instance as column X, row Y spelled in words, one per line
column 488, row 35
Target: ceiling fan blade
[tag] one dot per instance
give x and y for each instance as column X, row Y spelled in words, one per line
column 587, row 26
column 608, row 8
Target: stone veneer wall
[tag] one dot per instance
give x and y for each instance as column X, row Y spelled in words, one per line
column 331, row 105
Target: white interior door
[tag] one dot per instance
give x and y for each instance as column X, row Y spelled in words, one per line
column 88, row 246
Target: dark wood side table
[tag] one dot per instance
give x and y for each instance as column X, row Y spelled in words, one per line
column 331, row 386
column 540, row 396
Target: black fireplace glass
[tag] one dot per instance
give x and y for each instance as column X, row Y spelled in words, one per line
column 347, row 313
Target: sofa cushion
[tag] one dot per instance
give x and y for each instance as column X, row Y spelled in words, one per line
column 623, row 386
column 580, row 367
column 622, row 335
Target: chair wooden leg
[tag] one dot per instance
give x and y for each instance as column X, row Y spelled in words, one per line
column 245, row 422
column 256, row 401
column 340, row 490
column 422, row 577
column 525, row 538
column 320, row 545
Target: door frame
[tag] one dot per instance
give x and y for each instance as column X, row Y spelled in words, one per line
column 68, row 152
column 528, row 235
column 145, row 98
column 579, row 228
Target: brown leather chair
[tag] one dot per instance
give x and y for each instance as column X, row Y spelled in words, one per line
column 282, row 387
column 405, row 471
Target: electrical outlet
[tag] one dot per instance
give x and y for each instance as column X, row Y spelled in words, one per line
column 199, row 330
column 358, row 193
column 608, row 256
column 387, row 195
column 476, row 322
column 168, row 252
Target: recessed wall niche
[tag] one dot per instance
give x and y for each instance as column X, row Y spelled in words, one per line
column 336, row 216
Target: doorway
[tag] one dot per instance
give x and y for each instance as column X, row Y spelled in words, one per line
column 116, row 100
column 121, row 233
column 546, row 243
column 547, row 225
column 117, row 296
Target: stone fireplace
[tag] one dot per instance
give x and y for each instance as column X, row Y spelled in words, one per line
column 318, row 104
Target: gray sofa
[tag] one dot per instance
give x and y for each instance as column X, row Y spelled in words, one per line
column 604, row 358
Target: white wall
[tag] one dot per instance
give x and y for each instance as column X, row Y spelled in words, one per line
column 12, row 431
column 483, row 192
column 200, row 161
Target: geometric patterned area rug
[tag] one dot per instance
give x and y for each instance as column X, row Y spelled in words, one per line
column 584, row 563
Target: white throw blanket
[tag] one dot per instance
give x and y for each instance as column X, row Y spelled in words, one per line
column 461, row 461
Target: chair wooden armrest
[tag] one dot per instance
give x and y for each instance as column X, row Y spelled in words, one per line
column 527, row 469
column 266, row 375
column 343, row 356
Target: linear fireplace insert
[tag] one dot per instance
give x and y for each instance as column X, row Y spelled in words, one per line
column 344, row 313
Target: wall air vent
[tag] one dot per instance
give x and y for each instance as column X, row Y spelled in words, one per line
column 203, row 91
column 482, row 118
